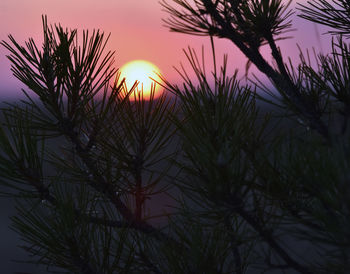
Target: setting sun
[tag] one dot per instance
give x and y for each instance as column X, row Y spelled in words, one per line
column 141, row 71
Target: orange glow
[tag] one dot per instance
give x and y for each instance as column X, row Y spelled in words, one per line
column 141, row 71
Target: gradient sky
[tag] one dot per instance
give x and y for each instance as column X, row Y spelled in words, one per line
column 137, row 32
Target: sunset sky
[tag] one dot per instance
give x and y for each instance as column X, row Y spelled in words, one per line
column 137, row 32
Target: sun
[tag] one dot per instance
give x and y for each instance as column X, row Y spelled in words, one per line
column 142, row 71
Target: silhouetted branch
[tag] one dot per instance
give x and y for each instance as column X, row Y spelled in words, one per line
column 267, row 236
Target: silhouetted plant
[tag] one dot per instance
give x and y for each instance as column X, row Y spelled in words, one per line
column 294, row 183
column 81, row 158
column 84, row 161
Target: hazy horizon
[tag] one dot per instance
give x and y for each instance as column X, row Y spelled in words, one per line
column 143, row 37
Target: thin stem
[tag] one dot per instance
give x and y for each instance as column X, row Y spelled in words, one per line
column 235, row 249
column 214, row 58
column 278, row 57
column 268, row 237
column 139, row 196
column 102, row 186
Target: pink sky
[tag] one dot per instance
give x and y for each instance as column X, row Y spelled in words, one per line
column 137, row 32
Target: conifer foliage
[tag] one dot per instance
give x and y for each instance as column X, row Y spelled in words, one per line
column 86, row 164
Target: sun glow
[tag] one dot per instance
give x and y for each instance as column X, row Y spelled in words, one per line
column 143, row 72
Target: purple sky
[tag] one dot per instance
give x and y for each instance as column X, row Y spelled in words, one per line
column 137, row 32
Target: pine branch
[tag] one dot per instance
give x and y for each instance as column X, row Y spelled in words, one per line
column 107, row 189
column 270, row 239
